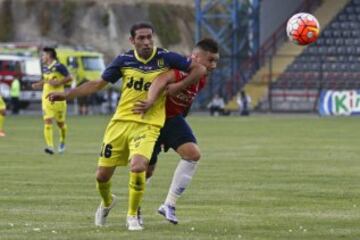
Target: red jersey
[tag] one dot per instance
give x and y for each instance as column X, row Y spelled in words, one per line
column 180, row 103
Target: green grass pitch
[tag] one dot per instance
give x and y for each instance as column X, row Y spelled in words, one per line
column 262, row 177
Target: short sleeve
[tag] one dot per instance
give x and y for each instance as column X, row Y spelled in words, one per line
column 62, row 70
column 177, row 61
column 112, row 72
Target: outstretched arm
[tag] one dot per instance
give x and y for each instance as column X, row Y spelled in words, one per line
column 83, row 90
column 56, row 83
column 38, row 85
column 156, row 89
column 196, row 72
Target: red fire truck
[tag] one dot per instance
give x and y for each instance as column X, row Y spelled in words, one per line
column 27, row 69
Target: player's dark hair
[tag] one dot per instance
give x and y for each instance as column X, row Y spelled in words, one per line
column 140, row 25
column 51, row 51
column 208, row 45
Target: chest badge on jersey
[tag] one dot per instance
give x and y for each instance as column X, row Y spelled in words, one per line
column 160, row 63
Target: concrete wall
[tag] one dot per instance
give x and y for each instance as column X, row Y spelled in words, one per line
column 273, row 13
column 101, row 24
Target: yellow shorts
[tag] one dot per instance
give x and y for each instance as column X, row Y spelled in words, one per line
column 2, row 104
column 123, row 139
column 56, row 110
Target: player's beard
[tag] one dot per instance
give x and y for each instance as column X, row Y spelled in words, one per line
column 146, row 52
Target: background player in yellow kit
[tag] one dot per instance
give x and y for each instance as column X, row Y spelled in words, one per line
column 55, row 76
column 130, row 137
column 2, row 116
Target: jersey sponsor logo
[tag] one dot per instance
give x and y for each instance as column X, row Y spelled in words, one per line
column 138, row 85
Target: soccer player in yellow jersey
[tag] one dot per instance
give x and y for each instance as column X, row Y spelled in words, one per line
column 130, row 137
column 55, row 76
column 2, row 116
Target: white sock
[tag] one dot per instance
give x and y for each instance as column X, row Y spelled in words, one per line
column 148, row 180
column 183, row 174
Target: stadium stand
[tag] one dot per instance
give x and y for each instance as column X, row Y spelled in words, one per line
column 333, row 62
column 278, row 57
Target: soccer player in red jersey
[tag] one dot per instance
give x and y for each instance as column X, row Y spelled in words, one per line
column 177, row 133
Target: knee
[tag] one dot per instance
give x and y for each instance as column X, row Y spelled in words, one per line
column 102, row 177
column 60, row 124
column 189, row 151
column 193, row 155
column 48, row 121
column 138, row 166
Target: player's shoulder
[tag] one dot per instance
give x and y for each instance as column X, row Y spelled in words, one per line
column 125, row 57
column 61, row 68
column 171, row 56
column 127, row 54
column 163, row 52
column 58, row 65
column 44, row 68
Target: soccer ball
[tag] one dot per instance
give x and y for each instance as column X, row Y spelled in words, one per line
column 303, row 29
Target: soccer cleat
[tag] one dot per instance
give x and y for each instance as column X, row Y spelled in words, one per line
column 102, row 212
column 61, row 148
column 2, row 134
column 140, row 217
column 168, row 212
column 132, row 223
column 49, row 151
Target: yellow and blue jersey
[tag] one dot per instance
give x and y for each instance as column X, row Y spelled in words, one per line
column 137, row 75
column 57, row 71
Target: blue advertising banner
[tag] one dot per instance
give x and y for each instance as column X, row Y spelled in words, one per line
column 339, row 103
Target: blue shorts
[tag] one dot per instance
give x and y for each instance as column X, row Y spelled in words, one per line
column 176, row 132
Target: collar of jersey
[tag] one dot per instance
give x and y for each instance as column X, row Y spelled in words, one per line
column 52, row 64
column 145, row 61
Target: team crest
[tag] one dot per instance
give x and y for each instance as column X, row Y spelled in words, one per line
column 160, row 62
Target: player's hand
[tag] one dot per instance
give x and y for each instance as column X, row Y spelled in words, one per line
column 141, row 107
column 56, row 96
column 36, row 86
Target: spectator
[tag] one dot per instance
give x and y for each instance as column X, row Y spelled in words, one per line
column 15, row 95
column 216, row 106
column 243, row 102
column 83, row 102
column 2, row 116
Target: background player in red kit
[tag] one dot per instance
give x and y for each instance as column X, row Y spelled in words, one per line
column 176, row 133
